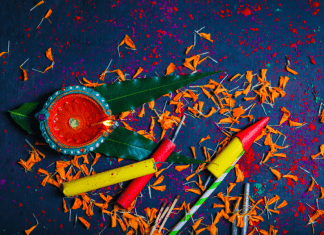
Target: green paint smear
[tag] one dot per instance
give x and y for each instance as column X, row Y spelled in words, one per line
column 259, row 187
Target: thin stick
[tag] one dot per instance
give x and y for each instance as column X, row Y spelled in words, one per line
column 24, row 63
column 169, row 212
column 223, row 78
column 158, row 218
column 75, row 220
column 35, row 218
column 106, row 71
column 245, row 208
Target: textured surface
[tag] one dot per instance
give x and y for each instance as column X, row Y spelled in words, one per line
column 84, row 36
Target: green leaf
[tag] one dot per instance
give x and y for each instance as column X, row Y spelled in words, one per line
column 131, row 145
column 128, row 95
column 24, row 117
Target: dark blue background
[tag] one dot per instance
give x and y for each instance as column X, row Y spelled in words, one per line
column 84, row 36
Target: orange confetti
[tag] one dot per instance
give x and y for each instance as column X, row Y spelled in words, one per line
column 285, row 116
column 238, row 111
column 292, row 123
column 196, row 224
column 188, row 49
column 239, row 174
column 85, row 169
column 158, row 181
column 193, row 151
column 263, row 232
column 203, row 139
column 293, row 177
column 182, row 167
column 211, row 112
column 2, row 53
column 130, row 232
column 231, row 186
column 121, row 76
column 310, row 188
column 235, row 76
column 290, row 70
column 159, row 188
column 28, row 231
column 283, row 81
column 25, row 74
column 142, row 112
column 196, row 191
column 48, row 14
column 218, row 205
column 159, row 172
column 322, row 193
column 128, row 127
column 96, row 159
column 84, row 222
column 190, row 176
column 129, row 42
column 276, row 173
column 249, row 98
column 49, row 54
column 139, row 70
column 170, row 69
column 88, row 83
column 77, row 203
column 64, row 206
column 315, row 216
column 205, row 36
column 41, row 2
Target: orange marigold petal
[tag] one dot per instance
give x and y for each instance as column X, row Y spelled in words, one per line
column 139, row 70
column 159, row 188
column 276, row 173
column 84, row 222
column 181, row 168
column 193, row 190
column 170, row 69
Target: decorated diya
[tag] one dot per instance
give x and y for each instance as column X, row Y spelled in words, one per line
column 75, row 120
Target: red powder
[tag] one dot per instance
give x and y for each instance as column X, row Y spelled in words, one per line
column 246, row 12
column 247, row 164
column 312, row 127
column 301, row 208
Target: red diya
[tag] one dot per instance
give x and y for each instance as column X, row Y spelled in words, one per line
column 75, row 120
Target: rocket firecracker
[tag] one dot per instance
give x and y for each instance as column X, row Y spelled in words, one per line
column 224, row 162
column 241, row 142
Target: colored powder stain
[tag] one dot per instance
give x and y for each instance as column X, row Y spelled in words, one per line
column 2, row 182
column 259, row 188
column 301, row 208
column 246, row 12
column 312, row 127
column 249, row 168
